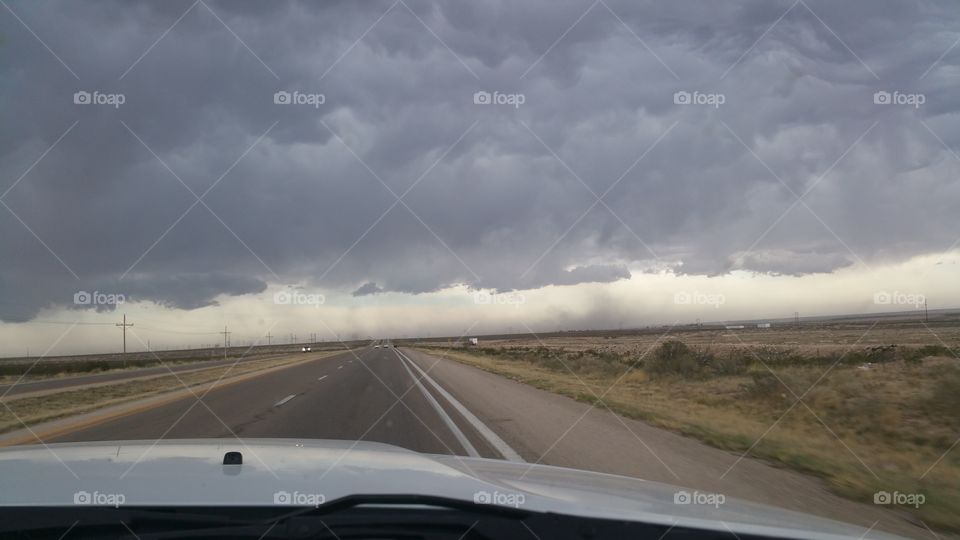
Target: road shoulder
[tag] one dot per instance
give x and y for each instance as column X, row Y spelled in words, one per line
column 551, row 429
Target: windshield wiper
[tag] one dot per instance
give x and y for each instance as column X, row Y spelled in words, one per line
column 435, row 502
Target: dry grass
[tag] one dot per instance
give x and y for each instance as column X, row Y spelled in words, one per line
column 808, row 339
column 887, row 427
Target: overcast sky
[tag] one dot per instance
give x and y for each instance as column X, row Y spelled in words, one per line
column 591, row 164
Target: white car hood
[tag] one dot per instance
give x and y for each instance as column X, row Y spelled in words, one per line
column 277, row 471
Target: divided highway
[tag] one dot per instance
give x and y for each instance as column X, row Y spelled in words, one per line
column 369, row 395
column 66, row 383
column 418, row 401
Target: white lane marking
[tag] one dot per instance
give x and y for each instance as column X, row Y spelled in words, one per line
column 495, row 441
column 461, row 438
column 322, row 378
column 339, row 367
column 284, row 400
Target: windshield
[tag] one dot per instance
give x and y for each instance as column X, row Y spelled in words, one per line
column 673, row 260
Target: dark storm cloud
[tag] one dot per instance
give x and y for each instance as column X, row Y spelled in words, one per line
column 489, row 204
column 593, row 274
column 366, row 289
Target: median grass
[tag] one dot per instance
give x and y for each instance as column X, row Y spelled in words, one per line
column 32, row 410
column 877, row 418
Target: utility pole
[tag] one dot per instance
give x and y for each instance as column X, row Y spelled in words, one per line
column 796, row 319
column 226, row 335
column 269, row 337
column 926, row 316
column 124, row 325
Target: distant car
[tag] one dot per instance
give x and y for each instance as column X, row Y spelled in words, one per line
column 305, row 349
column 376, row 346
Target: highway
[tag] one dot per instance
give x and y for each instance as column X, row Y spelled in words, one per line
column 424, row 403
column 368, row 395
column 66, row 383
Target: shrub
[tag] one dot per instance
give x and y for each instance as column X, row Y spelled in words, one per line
column 780, row 356
column 915, row 356
column 881, row 354
column 674, row 358
column 766, row 386
column 728, row 365
column 946, row 394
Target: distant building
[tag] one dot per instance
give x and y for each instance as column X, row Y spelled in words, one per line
column 763, row 325
column 735, row 327
column 473, row 341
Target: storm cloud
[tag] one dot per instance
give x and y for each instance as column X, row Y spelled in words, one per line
column 407, row 146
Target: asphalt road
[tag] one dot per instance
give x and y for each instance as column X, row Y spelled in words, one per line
column 375, row 395
column 369, row 395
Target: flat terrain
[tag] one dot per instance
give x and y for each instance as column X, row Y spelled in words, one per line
column 868, row 407
column 807, row 338
column 422, row 403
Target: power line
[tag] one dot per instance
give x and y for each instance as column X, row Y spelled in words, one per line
column 68, row 323
column 152, row 329
column 124, row 325
column 226, row 336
